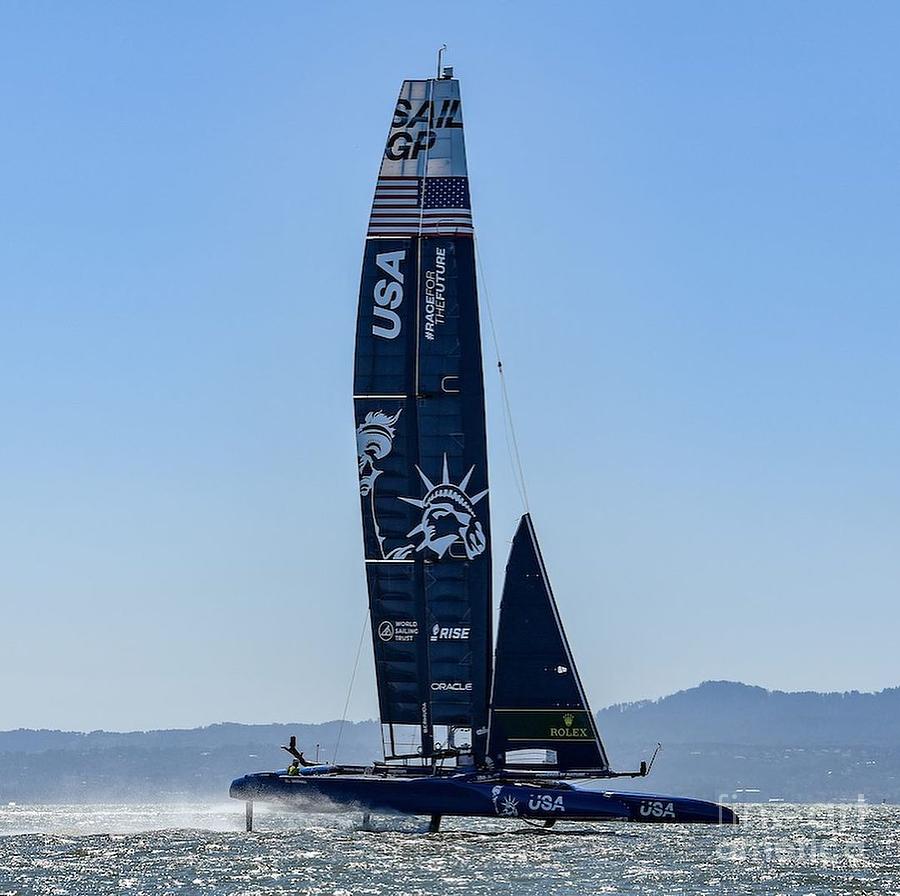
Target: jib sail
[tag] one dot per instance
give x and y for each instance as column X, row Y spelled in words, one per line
column 538, row 700
column 420, row 429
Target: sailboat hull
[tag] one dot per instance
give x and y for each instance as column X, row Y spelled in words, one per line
column 466, row 795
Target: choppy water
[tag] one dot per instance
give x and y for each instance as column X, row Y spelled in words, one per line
column 202, row 849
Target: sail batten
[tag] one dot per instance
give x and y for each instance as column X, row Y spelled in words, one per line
column 420, row 426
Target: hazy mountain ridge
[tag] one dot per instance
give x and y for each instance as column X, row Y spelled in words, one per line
column 741, row 742
column 36, row 740
column 65, row 766
column 729, row 712
column 719, row 738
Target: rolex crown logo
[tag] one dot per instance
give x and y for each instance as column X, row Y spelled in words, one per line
column 568, row 718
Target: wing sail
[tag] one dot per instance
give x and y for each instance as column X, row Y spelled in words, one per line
column 420, row 427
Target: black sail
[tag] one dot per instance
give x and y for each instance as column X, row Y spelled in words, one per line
column 420, row 427
column 538, row 700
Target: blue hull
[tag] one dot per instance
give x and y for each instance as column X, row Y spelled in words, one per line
column 478, row 797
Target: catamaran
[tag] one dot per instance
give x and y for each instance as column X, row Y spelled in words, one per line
column 467, row 730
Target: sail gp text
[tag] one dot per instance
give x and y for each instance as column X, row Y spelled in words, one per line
column 412, row 130
column 434, row 293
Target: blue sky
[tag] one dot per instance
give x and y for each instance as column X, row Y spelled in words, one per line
column 689, row 218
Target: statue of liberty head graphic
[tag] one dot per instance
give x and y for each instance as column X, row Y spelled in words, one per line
column 448, row 516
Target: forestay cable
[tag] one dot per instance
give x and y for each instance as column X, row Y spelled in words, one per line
column 509, row 429
column 362, row 636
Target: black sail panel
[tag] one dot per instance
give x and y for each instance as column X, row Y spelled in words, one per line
column 453, row 470
column 538, row 700
column 420, row 425
column 387, row 451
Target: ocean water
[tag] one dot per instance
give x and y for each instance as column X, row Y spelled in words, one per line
column 186, row 849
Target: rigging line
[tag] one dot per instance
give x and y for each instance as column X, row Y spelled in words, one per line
column 425, row 164
column 512, row 442
column 362, row 636
column 508, row 430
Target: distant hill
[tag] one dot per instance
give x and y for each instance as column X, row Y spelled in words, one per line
column 726, row 711
column 719, row 739
column 179, row 764
column 357, row 739
column 725, row 738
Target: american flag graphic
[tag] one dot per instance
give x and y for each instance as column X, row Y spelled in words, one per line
column 408, row 206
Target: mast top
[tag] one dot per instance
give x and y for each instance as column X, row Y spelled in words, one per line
column 444, row 72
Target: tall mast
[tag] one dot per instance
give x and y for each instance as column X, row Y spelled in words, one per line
column 420, row 426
